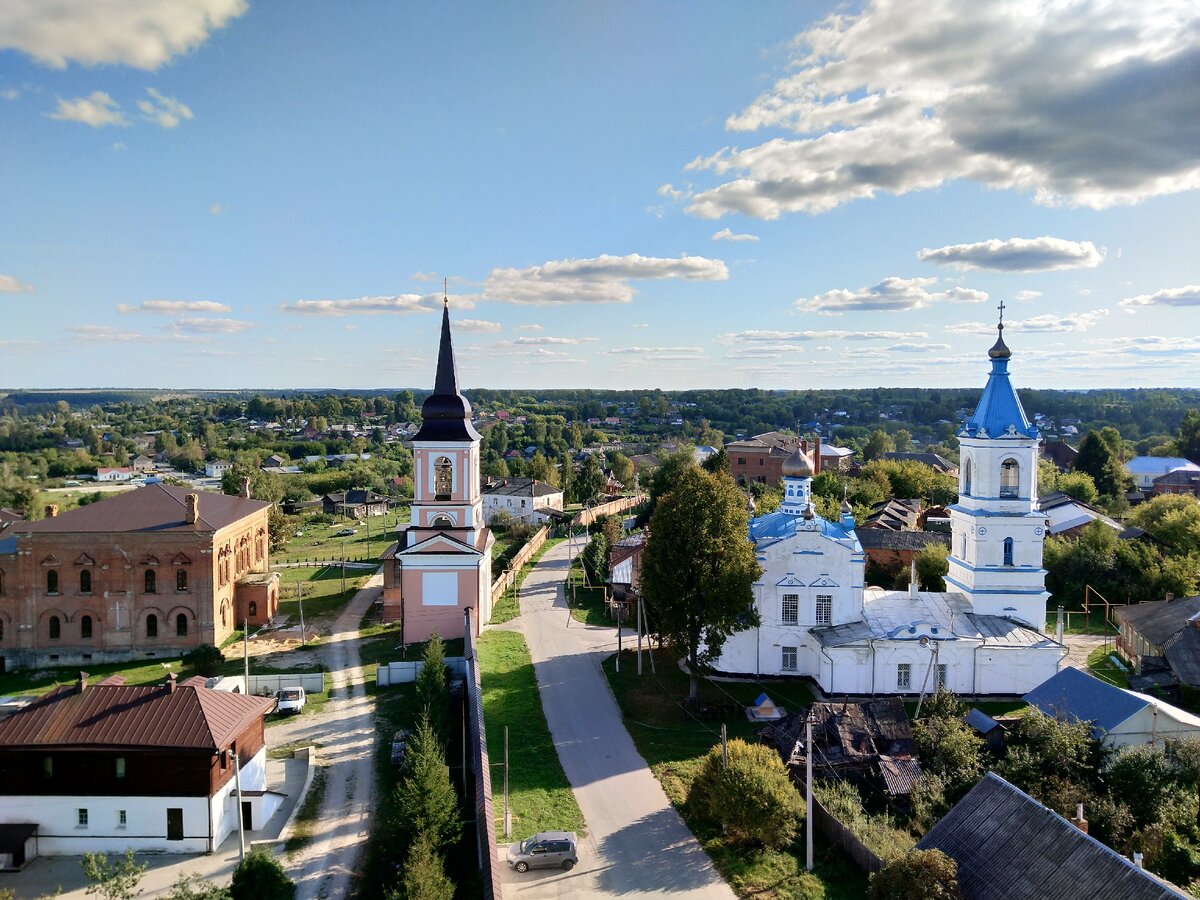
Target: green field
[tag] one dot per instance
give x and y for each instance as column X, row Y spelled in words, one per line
column 539, row 795
column 320, row 541
column 320, row 588
column 674, row 744
column 587, row 603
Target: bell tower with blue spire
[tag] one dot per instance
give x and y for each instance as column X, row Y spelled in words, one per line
column 997, row 530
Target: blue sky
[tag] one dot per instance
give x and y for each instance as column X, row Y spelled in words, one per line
column 210, row 193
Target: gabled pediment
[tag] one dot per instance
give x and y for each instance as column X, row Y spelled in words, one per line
column 84, row 560
column 51, row 560
column 440, row 543
column 789, row 581
column 148, row 560
column 181, row 559
column 824, row 581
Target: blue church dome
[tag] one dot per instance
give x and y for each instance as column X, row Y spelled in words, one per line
column 999, row 413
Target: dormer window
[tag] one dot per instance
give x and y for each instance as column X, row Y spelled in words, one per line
column 443, row 478
column 1010, row 477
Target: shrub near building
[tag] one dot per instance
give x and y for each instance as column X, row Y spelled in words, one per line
column 751, row 797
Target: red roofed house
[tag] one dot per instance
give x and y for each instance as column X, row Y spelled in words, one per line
column 110, row 766
column 149, row 573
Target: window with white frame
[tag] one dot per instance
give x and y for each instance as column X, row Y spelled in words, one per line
column 122, row 820
column 824, row 610
column 941, row 677
column 789, row 659
column 790, row 610
column 82, row 818
column 903, row 676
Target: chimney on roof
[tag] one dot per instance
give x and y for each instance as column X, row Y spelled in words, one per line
column 51, row 510
column 1079, row 821
column 81, row 682
column 1137, row 859
column 193, row 508
column 171, row 682
column 244, row 493
column 817, row 455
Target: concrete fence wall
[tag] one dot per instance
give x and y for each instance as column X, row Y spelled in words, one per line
column 406, row 672
column 312, row 682
column 479, row 768
column 532, row 546
column 612, row 507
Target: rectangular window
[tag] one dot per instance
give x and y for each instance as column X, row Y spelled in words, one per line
column 48, row 766
column 83, row 817
column 903, row 676
column 824, row 609
column 941, row 677
column 122, row 821
column 741, row 460
column 789, row 659
column 120, row 767
column 790, row 612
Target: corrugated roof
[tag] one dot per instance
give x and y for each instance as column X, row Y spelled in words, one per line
column 981, row 721
column 1008, row 845
column 886, row 539
column 134, row 716
column 1158, row 620
column 1183, row 656
column 155, row 507
column 1074, row 695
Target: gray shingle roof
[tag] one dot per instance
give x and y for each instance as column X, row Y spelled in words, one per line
column 1183, row 655
column 886, row 539
column 1008, row 845
column 1158, row 620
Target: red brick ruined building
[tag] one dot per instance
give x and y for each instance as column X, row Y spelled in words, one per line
column 150, row 573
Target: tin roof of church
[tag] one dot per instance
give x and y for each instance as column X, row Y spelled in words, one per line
column 999, row 407
column 155, row 507
column 779, row 525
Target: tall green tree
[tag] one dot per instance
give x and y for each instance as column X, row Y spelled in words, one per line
column 664, row 479
column 425, row 873
column 1172, row 518
column 425, row 798
column 932, row 567
column 1187, row 438
column 717, row 463
column 261, row 877
column 879, row 443
column 433, row 694
column 1096, row 458
column 589, row 479
column 698, row 568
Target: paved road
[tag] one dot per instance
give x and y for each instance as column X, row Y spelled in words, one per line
column 636, row 843
column 347, row 735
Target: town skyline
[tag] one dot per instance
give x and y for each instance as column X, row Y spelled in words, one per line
column 222, row 196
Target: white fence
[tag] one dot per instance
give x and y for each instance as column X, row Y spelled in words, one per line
column 312, row 682
column 404, row 672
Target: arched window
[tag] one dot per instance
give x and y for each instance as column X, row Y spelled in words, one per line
column 1, row 582
column 1010, row 478
column 151, row 582
column 85, row 628
column 181, row 579
column 224, row 616
column 55, row 628
column 967, row 479
column 151, row 625
column 252, row 609
column 85, row 582
column 443, row 522
column 51, row 582
column 1008, row 551
column 1, row 629
column 443, row 478
column 181, row 625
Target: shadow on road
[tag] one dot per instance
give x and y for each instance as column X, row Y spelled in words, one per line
column 656, row 860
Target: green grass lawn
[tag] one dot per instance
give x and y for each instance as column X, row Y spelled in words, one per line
column 320, row 541
column 508, row 607
column 321, row 588
column 1100, row 665
column 674, row 745
column 587, row 603
column 539, row 795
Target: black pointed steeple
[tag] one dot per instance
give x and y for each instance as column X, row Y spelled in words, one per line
column 446, row 414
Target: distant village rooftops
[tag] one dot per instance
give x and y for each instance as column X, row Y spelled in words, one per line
column 520, row 487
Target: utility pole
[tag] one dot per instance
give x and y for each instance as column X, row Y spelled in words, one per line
column 724, row 748
column 246, row 652
column 618, row 639
column 638, row 599
column 343, row 567
column 300, row 601
column 368, row 520
column 507, row 812
column 237, row 776
column 808, row 815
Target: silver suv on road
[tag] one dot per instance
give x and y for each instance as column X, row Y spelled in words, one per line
column 546, row 850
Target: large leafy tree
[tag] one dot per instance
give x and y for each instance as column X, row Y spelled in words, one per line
column 698, row 567
column 1097, row 458
column 751, row 796
column 1187, row 439
column 1172, row 518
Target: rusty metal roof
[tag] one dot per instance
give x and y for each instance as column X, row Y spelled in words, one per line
column 155, row 507
column 133, row 716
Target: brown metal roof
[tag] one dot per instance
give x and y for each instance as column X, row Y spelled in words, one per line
column 155, row 507
column 134, row 716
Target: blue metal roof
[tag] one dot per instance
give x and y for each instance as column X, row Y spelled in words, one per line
column 999, row 407
column 1074, row 695
column 980, row 721
column 8, row 545
column 778, row 525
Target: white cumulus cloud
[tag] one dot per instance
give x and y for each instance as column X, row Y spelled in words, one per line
column 165, row 112
column 196, row 325
column 1090, row 103
column 892, row 294
column 1040, row 254
column 10, row 285
column 726, row 234
column 660, row 353
column 174, row 307
column 480, row 326
column 1188, row 295
column 93, row 32
column 785, row 337
column 1027, row 295
column 400, row 304
column 97, row 109
column 1047, row 323
column 603, row 279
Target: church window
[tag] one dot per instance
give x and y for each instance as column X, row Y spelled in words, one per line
column 1008, row 551
column 1, row 629
column 51, row 582
column 151, row 582
column 151, row 626
column 442, row 522
column 181, row 626
column 1010, row 476
column 85, row 628
column 967, row 479
column 443, row 478
column 824, row 609
column 790, row 613
column 903, row 676
column 1, row 582
column 741, row 460
column 788, row 663
column 181, row 580
column 85, row 582
column 940, row 685
column 55, row 627
column 252, row 609
column 963, row 550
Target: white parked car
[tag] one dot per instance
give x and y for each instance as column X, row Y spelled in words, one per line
column 290, row 700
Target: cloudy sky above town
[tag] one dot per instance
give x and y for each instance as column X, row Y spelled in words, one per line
column 219, row 193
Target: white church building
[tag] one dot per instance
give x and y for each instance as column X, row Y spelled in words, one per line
column 984, row 636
